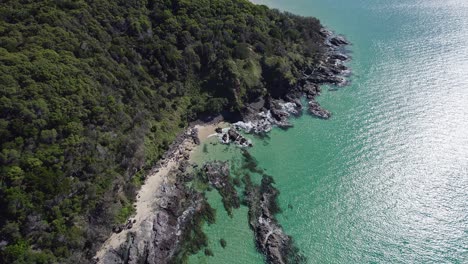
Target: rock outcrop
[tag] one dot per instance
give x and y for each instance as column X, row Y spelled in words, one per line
column 274, row 113
column 218, row 176
column 230, row 135
column 172, row 228
column 270, row 238
column 259, row 117
column 159, row 239
column 316, row 110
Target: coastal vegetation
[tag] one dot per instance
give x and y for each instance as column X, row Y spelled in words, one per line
column 93, row 93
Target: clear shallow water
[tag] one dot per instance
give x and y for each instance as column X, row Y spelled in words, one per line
column 386, row 179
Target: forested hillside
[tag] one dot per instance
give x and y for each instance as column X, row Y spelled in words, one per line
column 93, row 92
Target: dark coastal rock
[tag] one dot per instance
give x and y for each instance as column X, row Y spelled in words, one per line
column 232, row 136
column 327, row 74
column 338, row 41
column 325, row 32
column 270, row 238
column 331, row 70
column 276, row 113
column 311, row 90
column 259, row 117
column 194, row 135
column 218, row 175
column 117, row 229
column 316, row 110
column 339, row 57
column 129, row 224
column 223, row 243
column 161, row 237
column 183, row 165
column 174, row 147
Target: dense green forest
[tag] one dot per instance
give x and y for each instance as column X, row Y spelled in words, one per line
column 93, row 92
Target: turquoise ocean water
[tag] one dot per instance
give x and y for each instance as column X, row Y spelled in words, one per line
column 385, row 180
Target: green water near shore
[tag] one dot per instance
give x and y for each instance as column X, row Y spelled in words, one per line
column 385, row 180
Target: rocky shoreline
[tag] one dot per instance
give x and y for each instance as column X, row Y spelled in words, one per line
column 171, row 230
column 261, row 199
column 259, row 117
column 270, row 238
column 165, row 210
column 164, row 235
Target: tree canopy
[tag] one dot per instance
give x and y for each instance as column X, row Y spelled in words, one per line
column 93, row 92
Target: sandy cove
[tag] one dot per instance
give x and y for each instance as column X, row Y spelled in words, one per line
column 149, row 194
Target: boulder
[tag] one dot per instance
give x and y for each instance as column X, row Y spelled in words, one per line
column 117, row 229
column 316, row 110
column 338, row 41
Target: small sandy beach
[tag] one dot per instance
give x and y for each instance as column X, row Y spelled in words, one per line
column 146, row 199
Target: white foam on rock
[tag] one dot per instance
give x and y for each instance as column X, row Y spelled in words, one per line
column 265, row 122
column 289, row 108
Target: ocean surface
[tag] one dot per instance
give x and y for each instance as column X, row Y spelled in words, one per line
column 385, row 180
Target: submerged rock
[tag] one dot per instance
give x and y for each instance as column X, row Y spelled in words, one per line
column 270, row 238
column 218, row 175
column 223, row 243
